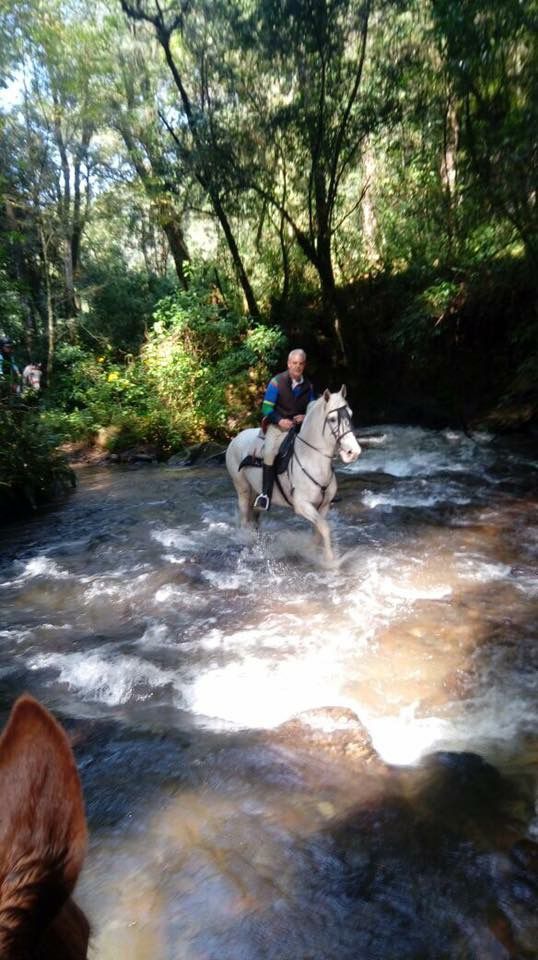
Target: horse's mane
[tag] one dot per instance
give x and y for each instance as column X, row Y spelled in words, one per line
column 42, row 839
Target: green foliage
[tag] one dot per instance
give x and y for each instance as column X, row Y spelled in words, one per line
column 489, row 48
column 120, row 303
column 278, row 151
column 90, row 392
column 200, row 374
column 421, row 319
column 205, row 362
column 11, row 316
column 31, row 471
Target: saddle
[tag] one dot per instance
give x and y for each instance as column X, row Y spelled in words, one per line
column 282, row 458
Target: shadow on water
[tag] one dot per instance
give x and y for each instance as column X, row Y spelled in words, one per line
column 342, row 859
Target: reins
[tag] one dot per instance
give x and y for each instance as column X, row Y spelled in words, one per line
column 342, row 418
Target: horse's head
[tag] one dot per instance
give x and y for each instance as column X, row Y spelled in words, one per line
column 42, row 839
column 338, row 421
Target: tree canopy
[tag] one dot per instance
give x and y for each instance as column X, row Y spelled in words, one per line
column 357, row 176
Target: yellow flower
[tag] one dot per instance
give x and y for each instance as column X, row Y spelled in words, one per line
column 113, row 376
column 100, row 359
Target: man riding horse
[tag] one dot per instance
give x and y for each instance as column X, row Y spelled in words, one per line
column 284, row 405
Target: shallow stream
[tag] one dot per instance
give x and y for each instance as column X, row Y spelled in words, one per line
column 397, row 818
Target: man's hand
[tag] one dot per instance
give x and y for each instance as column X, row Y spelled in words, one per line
column 298, row 418
column 285, row 424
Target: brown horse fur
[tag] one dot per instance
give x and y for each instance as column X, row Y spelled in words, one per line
column 42, row 839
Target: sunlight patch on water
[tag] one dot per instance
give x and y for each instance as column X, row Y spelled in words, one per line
column 403, row 739
column 256, row 695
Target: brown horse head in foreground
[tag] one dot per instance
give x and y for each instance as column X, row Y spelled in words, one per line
column 42, row 839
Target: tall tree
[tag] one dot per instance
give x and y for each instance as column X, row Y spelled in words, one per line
column 314, row 109
column 199, row 149
column 489, row 49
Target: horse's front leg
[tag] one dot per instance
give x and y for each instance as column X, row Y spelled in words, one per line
column 321, row 527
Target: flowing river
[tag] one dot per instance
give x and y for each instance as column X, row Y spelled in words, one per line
column 285, row 762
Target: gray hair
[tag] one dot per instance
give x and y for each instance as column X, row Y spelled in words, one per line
column 293, row 353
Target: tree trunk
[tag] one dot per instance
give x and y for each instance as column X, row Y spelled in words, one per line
column 448, row 169
column 178, row 249
column 51, row 326
column 331, row 306
column 236, row 257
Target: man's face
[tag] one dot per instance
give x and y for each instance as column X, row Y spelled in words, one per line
column 296, row 365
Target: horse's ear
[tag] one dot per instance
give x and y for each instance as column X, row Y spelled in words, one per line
column 327, row 395
column 343, row 391
column 42, row 826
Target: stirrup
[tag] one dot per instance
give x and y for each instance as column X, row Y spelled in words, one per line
column 262, row 502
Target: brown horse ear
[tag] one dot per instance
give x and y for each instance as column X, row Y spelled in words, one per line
column 327, row 395
column 343, row 391
column 42, row 825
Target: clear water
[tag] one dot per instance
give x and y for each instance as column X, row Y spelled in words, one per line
column 175, row 648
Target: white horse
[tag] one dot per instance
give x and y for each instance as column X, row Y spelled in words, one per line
column 308, row 485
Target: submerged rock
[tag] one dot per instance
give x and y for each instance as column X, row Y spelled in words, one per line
column 336, row 730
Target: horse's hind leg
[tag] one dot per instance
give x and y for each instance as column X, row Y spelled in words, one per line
column 245, row 500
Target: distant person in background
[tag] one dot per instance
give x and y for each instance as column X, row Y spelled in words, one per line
column 10, row 375
column 31, row 377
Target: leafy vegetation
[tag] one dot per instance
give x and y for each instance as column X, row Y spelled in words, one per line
column 31, row 470
column 189, row 190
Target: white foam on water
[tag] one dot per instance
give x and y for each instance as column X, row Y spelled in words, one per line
column 118, row 584
column 527, row 585
column 55, row 626
column 104, row 589
column 172, row 537
column 17, row 635
column 413, row 451
column 223, row 580
column 42, row 566
column 179, row 597
column 216, row 526
column 415, row 498
column 104, row 677
column 381, row 592
column 480, row 571
column 156, row 635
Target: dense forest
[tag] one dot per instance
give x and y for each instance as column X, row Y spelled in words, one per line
column 190, row 189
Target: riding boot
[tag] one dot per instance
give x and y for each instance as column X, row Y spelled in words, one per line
column 263, row 500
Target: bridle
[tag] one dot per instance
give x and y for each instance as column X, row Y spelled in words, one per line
column 343, row 420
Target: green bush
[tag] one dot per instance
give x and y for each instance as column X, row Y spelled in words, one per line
column 200, row 374
column 206, row 364
column 31, row 470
